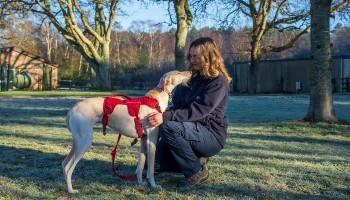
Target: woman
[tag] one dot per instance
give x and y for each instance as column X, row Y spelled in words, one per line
column 196, row 125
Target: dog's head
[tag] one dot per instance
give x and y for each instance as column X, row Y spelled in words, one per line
column 173, row 78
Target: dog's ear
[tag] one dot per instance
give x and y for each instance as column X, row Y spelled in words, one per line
column 167, row 81
column 187, row 78
column 161, row 83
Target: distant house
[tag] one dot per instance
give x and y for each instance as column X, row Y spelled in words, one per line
column 22, row 70
column 289, row 75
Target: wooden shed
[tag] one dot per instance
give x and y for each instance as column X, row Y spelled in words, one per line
column 22, row 70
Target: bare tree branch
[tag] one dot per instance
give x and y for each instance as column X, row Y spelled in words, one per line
column 290, row 44
column 85, row 22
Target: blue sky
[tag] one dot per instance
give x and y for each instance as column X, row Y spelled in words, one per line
column 158, row 13
column 137, row 12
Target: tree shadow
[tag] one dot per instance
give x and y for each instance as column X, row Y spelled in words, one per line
column 299, row 127
column 279, row 138
column 26, row 112
column 31, row 116
column 237, row 191
column 55, row 140
column 262, row 159
column 282, row 148
column 33, row 122
column 46, row 103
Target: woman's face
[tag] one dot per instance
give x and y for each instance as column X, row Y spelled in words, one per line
column 195, row 60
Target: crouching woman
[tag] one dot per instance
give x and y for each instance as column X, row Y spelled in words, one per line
column 195, row 127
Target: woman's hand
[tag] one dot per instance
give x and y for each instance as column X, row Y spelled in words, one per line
column 155, row 119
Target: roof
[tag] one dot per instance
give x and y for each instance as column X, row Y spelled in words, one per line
column 23, row 52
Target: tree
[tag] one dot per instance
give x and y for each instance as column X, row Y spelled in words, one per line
column 321, row 102
column 51, row 39
column 321, row 98
column 183, row 21
column 9, row 12
column 88, row 33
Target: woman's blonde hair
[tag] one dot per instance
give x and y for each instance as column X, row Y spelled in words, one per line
column 210, row 54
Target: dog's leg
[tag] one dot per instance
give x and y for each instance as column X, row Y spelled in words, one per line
column 141, row 162
column 82, row 140
column 66, row 165
column 152, row 137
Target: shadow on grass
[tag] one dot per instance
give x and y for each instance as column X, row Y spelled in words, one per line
column 39, row 102
column 267, row 152
column 35, row 117
column 45, row 168
column 27, row 111
column 31, row 116
column 33, row 122
column 278, row 138
column 241, row 192
column 261, row 160
column 299, row 127
column 40, row 111
column 51, row 140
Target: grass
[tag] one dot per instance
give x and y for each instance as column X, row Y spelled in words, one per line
column 271, row 160
column 66, row 93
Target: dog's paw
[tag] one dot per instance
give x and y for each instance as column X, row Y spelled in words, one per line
column 142, row 184
column 73, row 191
column 157, row 187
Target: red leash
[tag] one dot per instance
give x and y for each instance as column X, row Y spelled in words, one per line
column 133, row 105
column 115, row 173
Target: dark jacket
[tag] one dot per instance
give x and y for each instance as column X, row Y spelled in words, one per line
column 204, row 101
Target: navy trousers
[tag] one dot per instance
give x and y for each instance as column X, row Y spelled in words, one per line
column 181, row 144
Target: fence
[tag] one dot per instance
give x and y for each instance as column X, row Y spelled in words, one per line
column 345, row 82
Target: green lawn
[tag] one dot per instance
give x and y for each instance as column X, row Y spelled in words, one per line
column 65, row 93
column 271, row 160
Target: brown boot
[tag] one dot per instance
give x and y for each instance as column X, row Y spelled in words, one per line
column 195, row 179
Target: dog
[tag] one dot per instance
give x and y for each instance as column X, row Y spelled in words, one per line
column 86, row 113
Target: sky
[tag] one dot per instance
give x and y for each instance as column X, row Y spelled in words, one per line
column 159, row 13
column 138, row 12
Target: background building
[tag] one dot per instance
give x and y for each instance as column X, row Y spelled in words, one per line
column 288, row 76
column 22, row 70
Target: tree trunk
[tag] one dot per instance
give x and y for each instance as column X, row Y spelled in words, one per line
column 80, row 65
column 103, row 76
column 184, row 21
column 321, row 102
column 118, row 50
column 150, row 55
column 180, row 44
column 255, row 57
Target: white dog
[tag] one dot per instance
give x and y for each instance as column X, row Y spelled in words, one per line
column 86, row 113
